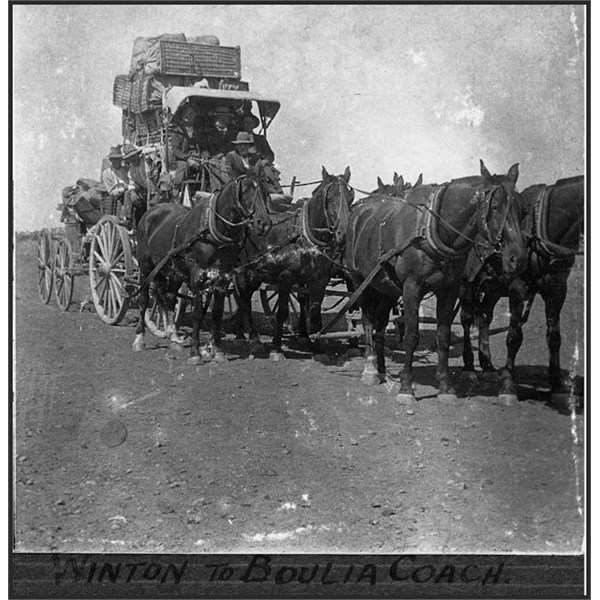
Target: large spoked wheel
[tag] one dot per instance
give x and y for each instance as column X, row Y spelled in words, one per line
column 111, row 270
column 63, row 273
column 45, row 266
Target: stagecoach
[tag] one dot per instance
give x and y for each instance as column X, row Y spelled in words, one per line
column 94, row 240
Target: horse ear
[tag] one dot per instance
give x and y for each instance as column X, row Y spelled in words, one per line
column 347, row 175
column 395, row 179
column 400, row 183
column 379, row 183
column 513, row 173
column 484, row 172
column 324, row 173
column 419, row 180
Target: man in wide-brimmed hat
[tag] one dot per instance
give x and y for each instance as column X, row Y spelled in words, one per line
column 136, row 196
column 249, row 123
column 114, row 179
column 238, row 160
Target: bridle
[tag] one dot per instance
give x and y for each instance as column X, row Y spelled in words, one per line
column 492, row 243
column 247, row 213
column 343, row 208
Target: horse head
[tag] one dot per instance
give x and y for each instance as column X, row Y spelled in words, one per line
column 332, row 199
column 500, row 211
column 251, row 195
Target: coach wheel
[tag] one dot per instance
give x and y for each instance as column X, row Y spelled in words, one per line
column 269, row 300
column 63, row 273
column 111, row 270
column 45, row 266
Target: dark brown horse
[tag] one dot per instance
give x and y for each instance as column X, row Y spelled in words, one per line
column 301, row 248
column 553, row 224
column 420, row 245
column 199, row 247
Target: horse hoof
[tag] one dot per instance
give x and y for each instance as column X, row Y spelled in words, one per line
column 490, row 376
column 219, row 358
column 175, row 339
column 406, row 399
column 194, row 360
column 562, row 400
column 370, row 377
column 276, row 356
column 138, row 345
column 508, row 399
column 448, row 398
column 205, row 355
column 469, row 375
column 353, row 353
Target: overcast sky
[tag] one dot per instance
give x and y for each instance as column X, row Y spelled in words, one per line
column 410, row 89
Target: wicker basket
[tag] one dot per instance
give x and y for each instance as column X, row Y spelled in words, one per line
column 183, row 58
column 122, row 91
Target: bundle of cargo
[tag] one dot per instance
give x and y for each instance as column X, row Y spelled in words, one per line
column 173, row 54
column 165, row 61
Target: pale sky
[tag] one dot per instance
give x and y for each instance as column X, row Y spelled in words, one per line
column 413, row 89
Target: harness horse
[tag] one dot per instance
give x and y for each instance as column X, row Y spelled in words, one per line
column 420, row 244
column 299, row 249
column 553, row 224
column 199, row 247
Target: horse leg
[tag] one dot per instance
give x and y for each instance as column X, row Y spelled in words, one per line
column 412, row 295
column 487, row 315
column 370, row 375
column 382, row 319
column 216, row 331
column 467, row 310
column 197, row 317
column 140, row 330
column 169, row 302
column 245, row 294
column 514, row 339
column 554, row 295
column 444, row 315
column 281, row 316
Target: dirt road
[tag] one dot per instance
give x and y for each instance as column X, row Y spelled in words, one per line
column 292, row 456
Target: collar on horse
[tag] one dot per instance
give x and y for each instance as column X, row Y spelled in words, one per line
column 539, row 233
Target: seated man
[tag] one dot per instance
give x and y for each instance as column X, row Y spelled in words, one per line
column 219, row 136
column 238, row 160
column 115, row 181
column 249, row 123
column 136, row 196
column 184, row 148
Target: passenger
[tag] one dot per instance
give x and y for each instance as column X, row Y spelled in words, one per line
column 238, row 160
column 136, row 196
column 114, row 179
column 249, row 123
column 220, row 135
column 185, row 148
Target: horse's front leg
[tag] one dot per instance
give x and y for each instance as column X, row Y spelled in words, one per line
column 412, row 295
column 368, row 305
column 467, row 312
column 485, row 319
column 384, row 307
column 445, row 314
column 197, row 318
column 170, row 302
column 217, row 321
column 282, row 315
column 140, row 330
column 514, row 339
